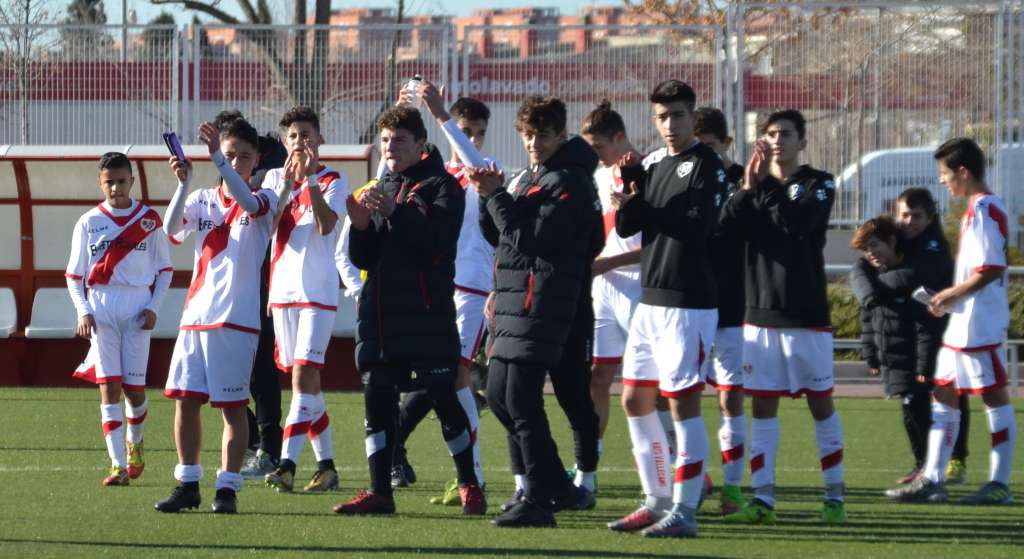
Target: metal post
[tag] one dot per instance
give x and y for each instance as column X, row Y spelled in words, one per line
column 176, row 105
column 124, row 31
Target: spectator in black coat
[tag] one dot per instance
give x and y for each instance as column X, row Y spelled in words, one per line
column 900, row 338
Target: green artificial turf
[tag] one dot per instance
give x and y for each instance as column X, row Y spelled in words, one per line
column 52, row 504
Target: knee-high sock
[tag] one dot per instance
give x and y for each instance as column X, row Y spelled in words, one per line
column 320, row 430
column 1004, row 439
column 650, row 450
column 136, row 416
column 690, row 462
column 296, row 425
column 667, row 425
column 828, row 433
column 465, row 395
column 941, row 438
column 732, row 435
column 113, row 433
column 764, row 445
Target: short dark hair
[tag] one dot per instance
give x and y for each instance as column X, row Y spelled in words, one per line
column 223, row 118
column 709, row 120
column 883, row 228
column 962, row 152
column 114, row 160
column 404, row 117
column 538, row 113
column 470, row 109
column 670, row 91
column 792, row 115
column 240, row 129
column 603, row 121
column 300, row 114
column 918, row 197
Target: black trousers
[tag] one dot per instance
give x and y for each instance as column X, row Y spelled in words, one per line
column 917, row 420
column 381, row 386
column 265, row 425
column 515, row 393
column 960, row 446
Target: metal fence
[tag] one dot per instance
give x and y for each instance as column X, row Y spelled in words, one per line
column 881, row 83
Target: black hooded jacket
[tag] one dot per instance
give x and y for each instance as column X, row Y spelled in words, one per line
column 542, row 226
column 406, row 309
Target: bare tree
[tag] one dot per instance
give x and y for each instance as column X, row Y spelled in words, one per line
column 18, row 36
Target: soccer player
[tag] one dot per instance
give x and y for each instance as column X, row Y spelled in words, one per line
column 899, row 337
column 782, row 211
column 616, row 286
column 220, row 323
column 541, row 224
column 673, row 202
column 118, row 259
column 465, row 127
column 978, row 307
column 918, row 220
column 404, row 233
column 726, row 374
column 304, row 292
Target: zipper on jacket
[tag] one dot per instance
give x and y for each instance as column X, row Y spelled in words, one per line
column 529, row 293
column 423, row 291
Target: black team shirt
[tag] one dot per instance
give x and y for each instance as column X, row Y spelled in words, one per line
column 727, row 257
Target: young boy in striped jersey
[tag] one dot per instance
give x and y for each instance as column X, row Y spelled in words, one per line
column 115, row 261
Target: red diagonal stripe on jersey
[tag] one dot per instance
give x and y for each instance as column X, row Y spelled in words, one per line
column 756, row 463
column 1000, row 437
column 289, row 219
column 214, row 243
column 122, row 245
column 609, row 224
column 296, row 429
column 319, row 426
column 999, row 217
column 831, row 460
column 138, row 420
column 733, row 454
column 689, row 471
column 110, row 426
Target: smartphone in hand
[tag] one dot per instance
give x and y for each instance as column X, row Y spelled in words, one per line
column 174, row 146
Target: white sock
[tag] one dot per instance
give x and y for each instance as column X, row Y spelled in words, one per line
column 468, row 401
column 186, row 473
column 690, row 462
column 732, row 435
column 229, row 480
column 586, row 480
column 113, row 433
column 828, row 433
column 296, row 426
column 136, row 416
column 1004, row 439
column 667, row 425
column 650, row 449
column 941, row 439
column 520, row 482
column 764, row 444
column 320, row 430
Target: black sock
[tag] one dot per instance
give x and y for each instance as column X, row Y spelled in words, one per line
column 190, row 485
column 287, row 465
column 324, row 465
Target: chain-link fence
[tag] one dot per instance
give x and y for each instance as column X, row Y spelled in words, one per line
column 88, row 84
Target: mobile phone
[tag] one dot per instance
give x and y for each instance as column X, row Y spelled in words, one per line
column 174, row 146
column 923, row 295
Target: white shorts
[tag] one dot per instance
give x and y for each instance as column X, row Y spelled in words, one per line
column 469, row 319
column 301, row 335
column 615, row 298
column 787, row 361
column 213, row 365
column 119, row 348
column 667, row 348
column 976, row 371
column 726, row 371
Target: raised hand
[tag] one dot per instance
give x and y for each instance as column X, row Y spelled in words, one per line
column 619, row 199
column 486, row 181
column 433, row 98
column 376, row 200
column 358, row 214
column 210, row 136
column 757, row 167
column 631, row 158
column 312, row 156
column 182, row 169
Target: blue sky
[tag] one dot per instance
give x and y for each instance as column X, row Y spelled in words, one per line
column 146, row 11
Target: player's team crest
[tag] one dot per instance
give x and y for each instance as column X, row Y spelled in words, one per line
column 795, row 190
column 821, row 195
column 147, row 224
column 684, row 168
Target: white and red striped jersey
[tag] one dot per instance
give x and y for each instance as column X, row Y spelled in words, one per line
column 230, row 246
column 982, row 318
column 608, row 180
column 118, row 247
column 302, row 271
column 474, row 260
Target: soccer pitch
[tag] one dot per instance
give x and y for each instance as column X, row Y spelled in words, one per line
column 52, row 504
